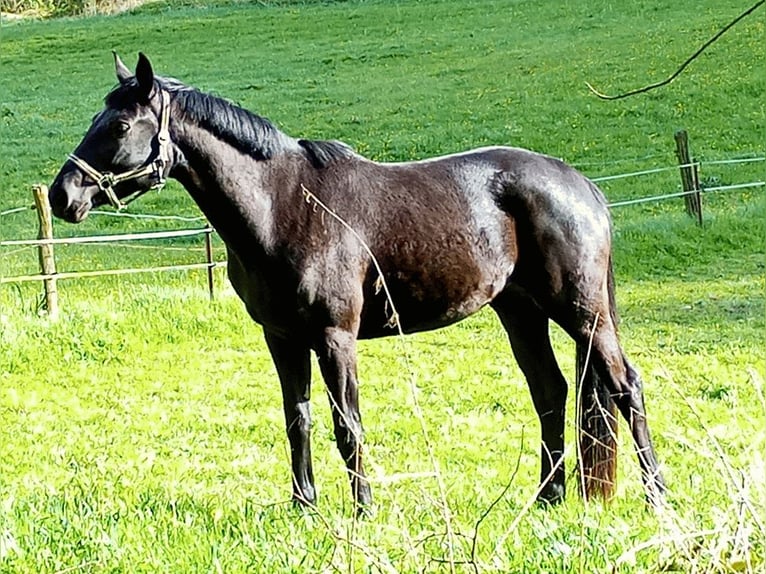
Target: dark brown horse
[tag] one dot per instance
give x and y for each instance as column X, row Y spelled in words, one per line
column 505, row 227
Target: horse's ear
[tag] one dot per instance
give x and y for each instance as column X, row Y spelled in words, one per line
column 123, row 74
column 145, row 76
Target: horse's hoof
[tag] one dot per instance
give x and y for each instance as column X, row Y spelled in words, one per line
column 302, row 501
column 655, row 494
column 551, row 495
column 364, row 511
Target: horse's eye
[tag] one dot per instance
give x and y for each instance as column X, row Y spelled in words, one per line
column 120, row 128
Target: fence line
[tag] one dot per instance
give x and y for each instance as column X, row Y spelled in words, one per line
column 50, row 275
column 152, row 247
column 193, row 219
column 108, row 238
column 643, row 172
column 734, row 186
column 619, row 161
column 47, row 241
column 685, row 193
column 699, row 163
column 665, row 155
column 17, row 210
column 149, row 216
column 15, row 251
column 739, row 160
column 108, row 272
column 7, row 253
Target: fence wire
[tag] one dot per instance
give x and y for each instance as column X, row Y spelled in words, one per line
column 702, row 190
column 149, row 216
column 110, row 272
column 643, row 172
column 16, row 210
column 114, row 240
column 107, row 238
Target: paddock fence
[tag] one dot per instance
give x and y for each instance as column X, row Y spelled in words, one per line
column 45, row 242
column 692, row 193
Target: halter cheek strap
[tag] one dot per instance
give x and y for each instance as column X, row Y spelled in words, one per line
column 106, row 180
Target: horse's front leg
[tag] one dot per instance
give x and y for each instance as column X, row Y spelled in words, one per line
column 337, row 359
column 293, row 362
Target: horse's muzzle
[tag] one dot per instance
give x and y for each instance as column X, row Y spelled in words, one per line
column 68, row 200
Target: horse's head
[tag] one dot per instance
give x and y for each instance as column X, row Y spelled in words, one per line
column 124, row 153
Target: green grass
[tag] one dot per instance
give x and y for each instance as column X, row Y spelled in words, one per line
column 143, row 431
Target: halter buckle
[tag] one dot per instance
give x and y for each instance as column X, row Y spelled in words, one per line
column 106, row 181
column 106, row 184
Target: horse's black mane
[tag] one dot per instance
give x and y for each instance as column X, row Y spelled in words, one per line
column 241, row 128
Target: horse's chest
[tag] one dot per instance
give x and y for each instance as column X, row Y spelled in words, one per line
column 265, row 292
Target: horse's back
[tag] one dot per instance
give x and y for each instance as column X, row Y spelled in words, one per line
column 481, row 201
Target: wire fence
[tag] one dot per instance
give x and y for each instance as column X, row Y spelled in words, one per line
column 690, row 192
column 109, row 238
column 45, row 243
column 16, row 210
column 131, row 240
column 595, row 179
column 149, row 217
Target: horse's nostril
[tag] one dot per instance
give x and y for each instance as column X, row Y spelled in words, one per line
column 68, row 202
column 58, row 200
column 56, row 203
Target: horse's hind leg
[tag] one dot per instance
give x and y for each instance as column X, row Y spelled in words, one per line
column 527, row 328
column 336, row 352
column 627, row 392
column 621, row 379
column 634, row 411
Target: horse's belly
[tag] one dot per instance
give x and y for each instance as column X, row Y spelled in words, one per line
column 423, row 305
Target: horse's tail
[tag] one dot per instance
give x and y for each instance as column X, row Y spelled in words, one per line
column 597, row 421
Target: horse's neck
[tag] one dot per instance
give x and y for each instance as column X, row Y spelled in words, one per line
column 234, row 191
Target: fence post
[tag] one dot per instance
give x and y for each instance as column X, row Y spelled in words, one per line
column 689, row 176
column 210, row 262
column 45, row 251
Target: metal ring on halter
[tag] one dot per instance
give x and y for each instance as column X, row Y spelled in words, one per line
column 106, row 184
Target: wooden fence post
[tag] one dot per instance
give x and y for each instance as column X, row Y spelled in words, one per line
column 210, row 262
column 45, row 251
column 689, row 176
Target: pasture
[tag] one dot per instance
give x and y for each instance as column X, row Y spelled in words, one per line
column 143, row 431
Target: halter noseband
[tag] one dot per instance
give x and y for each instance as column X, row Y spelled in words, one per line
column 106, row 180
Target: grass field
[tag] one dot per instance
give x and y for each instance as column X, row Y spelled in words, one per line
column 143, row 431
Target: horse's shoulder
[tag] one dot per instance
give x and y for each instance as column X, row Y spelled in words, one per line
column 322, row 153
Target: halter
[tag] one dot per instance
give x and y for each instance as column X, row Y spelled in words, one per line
column 106, row 180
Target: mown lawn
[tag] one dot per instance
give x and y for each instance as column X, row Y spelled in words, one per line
column 143, row 431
